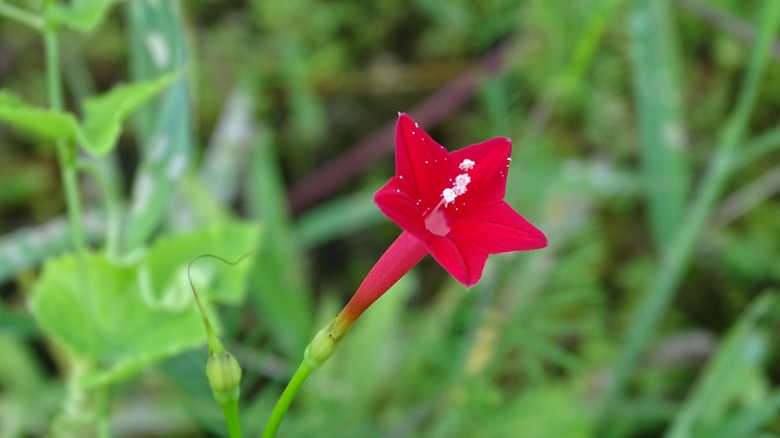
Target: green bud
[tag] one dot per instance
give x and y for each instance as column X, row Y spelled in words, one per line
column 320, row 348
column 224, row 376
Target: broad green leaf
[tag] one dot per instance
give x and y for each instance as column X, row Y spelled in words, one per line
column 126, row 315
column 103, row 114
column 107, row 319
column 43, row 122
column 229, row 241
column 81, row 15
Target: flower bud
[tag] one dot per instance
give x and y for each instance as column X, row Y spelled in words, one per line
column 320, row 348
column 224, row 375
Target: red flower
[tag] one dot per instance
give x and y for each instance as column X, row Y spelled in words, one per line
column 450, row 205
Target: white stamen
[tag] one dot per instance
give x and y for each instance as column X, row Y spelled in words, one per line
column 448, row 195
column 466, row 165
column 459, row 188
column 461, row 181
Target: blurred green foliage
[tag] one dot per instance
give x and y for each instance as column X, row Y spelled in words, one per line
column 619, row 110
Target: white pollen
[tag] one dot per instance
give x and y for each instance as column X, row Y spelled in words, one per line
column 412, row 132
column 466, row 165
column 509, row 159
column 460, row 187
column 461, row 181
column 400, row 177
column 426, row 161
column 448, row 195
column 398, row 190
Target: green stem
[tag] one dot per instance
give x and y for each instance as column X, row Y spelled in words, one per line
column 21, row 16
column 100, row 169
column 231, row 418
column 65, row 152
column 67, row 156
column 287, row 397
column 677, row 256
column 759, row 146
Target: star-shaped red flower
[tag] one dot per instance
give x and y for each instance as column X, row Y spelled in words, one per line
column 454, row 202
column 450, row 205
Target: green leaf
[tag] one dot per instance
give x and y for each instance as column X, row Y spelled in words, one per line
column 81, row 15
column 167, row 260
column 728, row 374
column 103, row 114
column 107, row 319
column 127, row 315
column 46, row 123
column 662, row 127
column 278, row 279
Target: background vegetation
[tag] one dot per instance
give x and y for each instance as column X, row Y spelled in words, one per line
column 645, row 147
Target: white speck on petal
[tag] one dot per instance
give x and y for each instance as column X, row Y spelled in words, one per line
column 466, row 165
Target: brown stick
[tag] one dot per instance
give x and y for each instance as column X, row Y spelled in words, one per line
column 429, row 113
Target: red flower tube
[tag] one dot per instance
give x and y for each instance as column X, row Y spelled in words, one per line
column 450, row 205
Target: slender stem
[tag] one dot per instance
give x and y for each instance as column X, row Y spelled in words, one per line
column 678, row 255
column 287, row 397
column 100, row 170
column 65, row 152
column 759, row 146
column 231, row 418
column 67, row 156
column 21, row 16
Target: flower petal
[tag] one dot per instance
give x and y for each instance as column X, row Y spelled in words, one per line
column 461, row 258
column 497, row 228
column 419, row 161
column 397, row 203
column 488, row 176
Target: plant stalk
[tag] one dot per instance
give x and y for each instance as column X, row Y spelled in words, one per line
column 286, row 399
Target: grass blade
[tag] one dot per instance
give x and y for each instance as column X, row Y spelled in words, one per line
column 677, row 256
column 659, row 106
